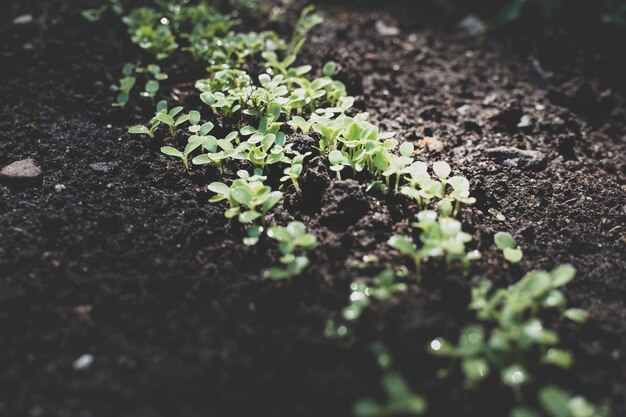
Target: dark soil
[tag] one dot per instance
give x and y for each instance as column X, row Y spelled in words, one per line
column 130, row 262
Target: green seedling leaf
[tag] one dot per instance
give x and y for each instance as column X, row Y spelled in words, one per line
column 514, row 376
column 504, row 240
column 165, row 118
column 403, row 245
column 513, row 255
column 563, row 274
column 558, row 357
column 441, row 169
column 241, row 195
column 168, row 150
column 555, row 401
column 329, row 69
column 139, row 129
column 576, row 314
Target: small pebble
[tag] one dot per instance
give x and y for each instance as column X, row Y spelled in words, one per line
column 21, row 172
column 83, row 362
column 103, row 166
column 23, row 19
column 59, row 187
column 386, row 30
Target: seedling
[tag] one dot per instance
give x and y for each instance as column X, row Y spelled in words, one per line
column 95, row 14
column 126, row 84
column 506, row 243
column 517, row 336
column 152, row 85
column 398, row 164
column 439, row 237
column 162, row 116
column 249, row 198
column 307, row 21
column 557, row 402
column 292, row 172
column 293, row 242
column 171, row 151
column 400, row 399
column 536, row 290
column 146, row 31
column 383, row 288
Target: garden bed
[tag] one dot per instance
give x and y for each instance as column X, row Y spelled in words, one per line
column 118, row 254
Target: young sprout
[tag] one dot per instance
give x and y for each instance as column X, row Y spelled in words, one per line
column 250, row 200
column 398, row 164
column 401, row 401
column 329, row 69
column 127, row 82
column 470, row 351
column 300, row 123
column 338, row 161
column 162, row 116
column 307, row 21
column 517, row 334
column 384, row 286
column 171, row 151
column 439, row 237
column 557, row 402
column 293, row 171
column 152, row 85
column 93, row 15
column 293, row 241
column 267, row 126
column 219, row 149
column 506, row 243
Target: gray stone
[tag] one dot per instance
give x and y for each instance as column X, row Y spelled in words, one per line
column 103, row 166
column 23, row 19
column 523, row 159
column 22, row 172
column 472, row 25
column 386, row 30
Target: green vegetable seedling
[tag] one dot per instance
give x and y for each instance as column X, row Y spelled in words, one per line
column 505, row 242
column 293, row 241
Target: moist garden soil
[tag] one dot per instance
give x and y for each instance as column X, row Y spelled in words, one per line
column 119, row 255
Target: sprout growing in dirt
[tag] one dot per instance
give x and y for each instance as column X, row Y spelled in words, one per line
column 250, row 200
column 95, row 14
column 146, row 31
column 383, row 287
column 557, row 402
column 400, row 400
column 171, row 151
column 506, row 243
column 126, row 84
column 338, row 161
column 267, row 126
column 293, row 171
column 440, row 237
column 162, row 116
column 329, row 69
column 293, row 241
column 398, row 164
column 300, row 123
column 307, row 21
column 470, row 351
column 423, row 188
column 536, row 290
column 517, row 335
column 219, row 149
column 309, row 93
column 152, row 85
